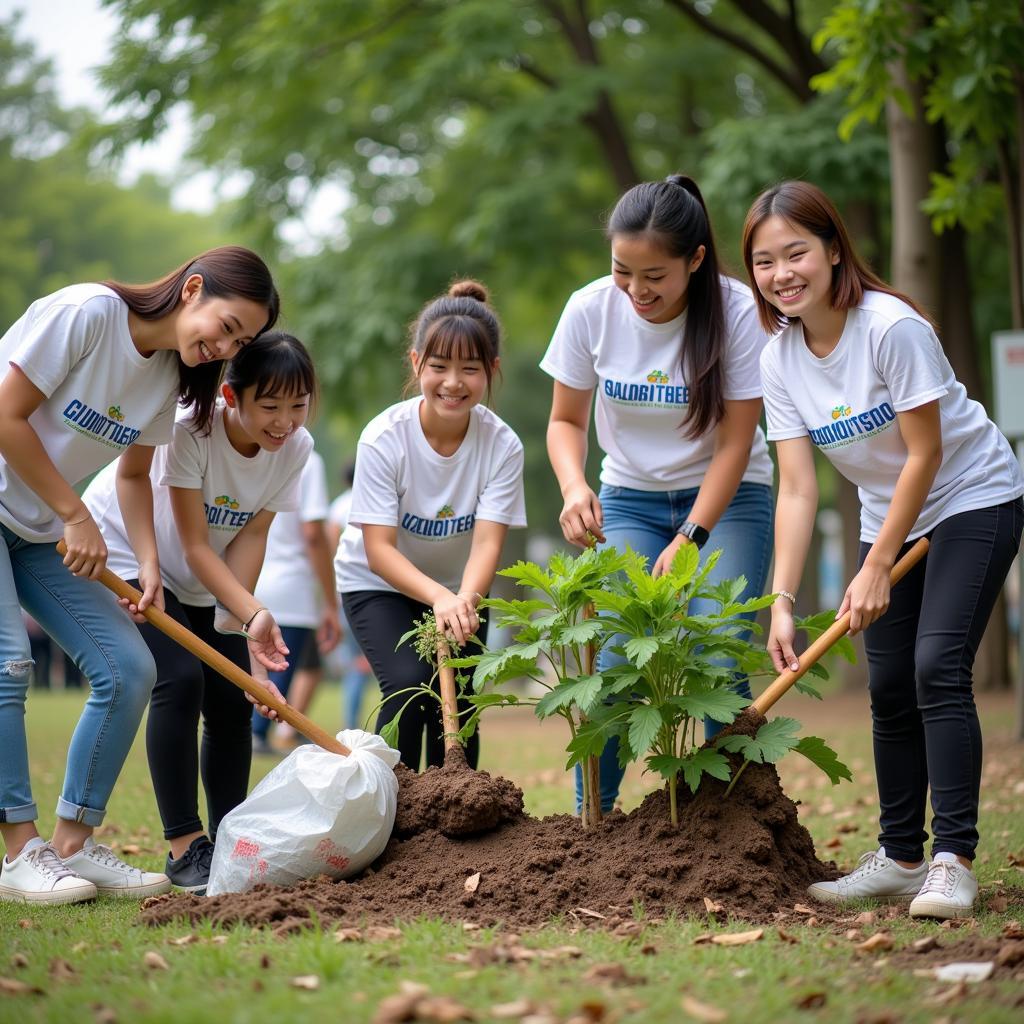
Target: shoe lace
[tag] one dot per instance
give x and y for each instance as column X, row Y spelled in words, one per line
column 868, row 862
column 200, row 855
column 941, row 876
column 105, row 855
column 48, row 861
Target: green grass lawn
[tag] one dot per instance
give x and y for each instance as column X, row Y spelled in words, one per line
column 94, row 963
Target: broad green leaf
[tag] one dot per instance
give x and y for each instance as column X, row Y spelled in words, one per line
column 666, row 765
column 818, row 752
column 644, row 723
column 722, row 705
column 640, row 649
column 803, row 686
column 773, row 739
column 579, row 633
column 704, row 759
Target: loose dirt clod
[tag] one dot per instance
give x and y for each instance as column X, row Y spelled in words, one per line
column 454, row 800
column 748, row 852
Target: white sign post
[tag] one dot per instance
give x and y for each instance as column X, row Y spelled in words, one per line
column 1008, row 391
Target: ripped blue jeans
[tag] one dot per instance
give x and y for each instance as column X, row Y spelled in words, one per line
column 86, row 620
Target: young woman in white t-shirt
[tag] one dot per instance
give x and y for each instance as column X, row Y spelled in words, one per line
column 438, row 483
column 216, row 492
column 669, row 347
column 857, row 371
column 89, row 372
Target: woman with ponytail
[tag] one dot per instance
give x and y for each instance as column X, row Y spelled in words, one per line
column 438, row 483
column 670, row 346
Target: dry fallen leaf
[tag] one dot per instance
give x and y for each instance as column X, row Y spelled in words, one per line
column 811, row 1001
column 472, row 883
column 834, row 843
column 13, row 987
column 802, row 908
column 306, row 981
column 702, row 939
column 469, row 926
column 219, row 940
column 946, row 997
column 786, row 937
column 712, row 907
column 348, row 935
column 610, row 973
column 738, row 938
column 26, row 922
column 132, row 849
column 1010, row 954
column 185, row 940
column 382, row 933
column 154, row 961
column 866, row 917
column 510, row 1011
column 19, row 960
column 877, row 943
column 998, row 904
column 703, row 1011
column 586, row 912
column 61, row 970
column 925, row 945
column 442, row 1009
column 103, row 1014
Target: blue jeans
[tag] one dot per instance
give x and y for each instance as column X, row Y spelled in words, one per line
column 647, row 521
column 295, row 639
column 85, row 619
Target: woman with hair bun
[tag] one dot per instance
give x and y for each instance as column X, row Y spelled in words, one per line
column 669, row 345
column 438, row 482
column 856, row 370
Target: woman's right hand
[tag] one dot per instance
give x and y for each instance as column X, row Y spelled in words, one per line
column 456, row 614
column 780, row 639
column 582, row 517
column 87, row 553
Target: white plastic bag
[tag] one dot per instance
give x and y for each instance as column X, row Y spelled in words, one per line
column 315, row 813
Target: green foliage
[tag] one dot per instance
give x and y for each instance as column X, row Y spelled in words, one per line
column 673, row 675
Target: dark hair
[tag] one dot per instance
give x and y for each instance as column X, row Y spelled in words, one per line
column 229, row 271
column 673, row 212
column 276, row 364
column 459, row 324
column 804, row 204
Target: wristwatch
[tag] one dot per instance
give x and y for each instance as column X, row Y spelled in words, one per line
column 695, row 533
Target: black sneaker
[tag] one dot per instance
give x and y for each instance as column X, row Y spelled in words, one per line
column 191, row 871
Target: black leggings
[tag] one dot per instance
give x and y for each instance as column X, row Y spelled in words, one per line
column 185, row 689
column 378, row 618
column 920, row 659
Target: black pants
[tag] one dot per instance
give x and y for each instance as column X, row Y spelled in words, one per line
column 378, row 618
column 185, row 690
column 920, row 659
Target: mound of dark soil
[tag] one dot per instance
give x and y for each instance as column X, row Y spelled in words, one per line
column 748, row 853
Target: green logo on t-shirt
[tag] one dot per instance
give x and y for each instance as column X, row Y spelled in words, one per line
column 841, row 410
column 226, row 501
column 114, row 412
column 445, row 512
column 657, row 377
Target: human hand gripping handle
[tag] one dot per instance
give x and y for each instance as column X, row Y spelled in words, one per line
column 228, row 669
column 835, row 632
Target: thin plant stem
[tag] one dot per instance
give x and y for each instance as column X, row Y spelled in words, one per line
column 735, row 778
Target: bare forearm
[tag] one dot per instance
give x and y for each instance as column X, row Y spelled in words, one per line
column 794, row 525
column 481, row 568
column 387, row 562
column 912, row 487
column 24, row 453
column 322, row 559
column 231, row 580
column 719, row 485
column 567, row 451
column 135, row 497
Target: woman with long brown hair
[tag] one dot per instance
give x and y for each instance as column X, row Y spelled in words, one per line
column 857, row 371
column 91, row 372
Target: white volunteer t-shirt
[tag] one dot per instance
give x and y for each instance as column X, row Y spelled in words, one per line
column 601, row 344
column 288, row 585
column 234, row 488
column 888, row 360
column 338, row 512
column 432, row 499
column 102, row 394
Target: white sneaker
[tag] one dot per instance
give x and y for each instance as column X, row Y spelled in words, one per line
column 949, row 890
column 875, row 877
column 38, row 875
column 112, row 876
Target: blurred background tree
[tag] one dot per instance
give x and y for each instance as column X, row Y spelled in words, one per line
column 468, row 137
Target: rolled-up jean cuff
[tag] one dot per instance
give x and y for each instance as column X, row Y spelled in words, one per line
column 18, row 815
column 83, row 815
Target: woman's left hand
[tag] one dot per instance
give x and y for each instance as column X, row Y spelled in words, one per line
column 867, row 597
column 266, row 644
column 152, row 592
column 665, row 559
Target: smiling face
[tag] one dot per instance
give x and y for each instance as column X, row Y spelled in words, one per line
column 655, row 281
column 793, row 268
column 450, row 387
column 270, row 419
column 209, row 328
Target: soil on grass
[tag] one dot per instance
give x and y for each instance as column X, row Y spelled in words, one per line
column 748, row 853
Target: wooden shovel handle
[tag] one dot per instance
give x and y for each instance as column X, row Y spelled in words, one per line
column 228, row 669
column 449, row 698
column 835, row 632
